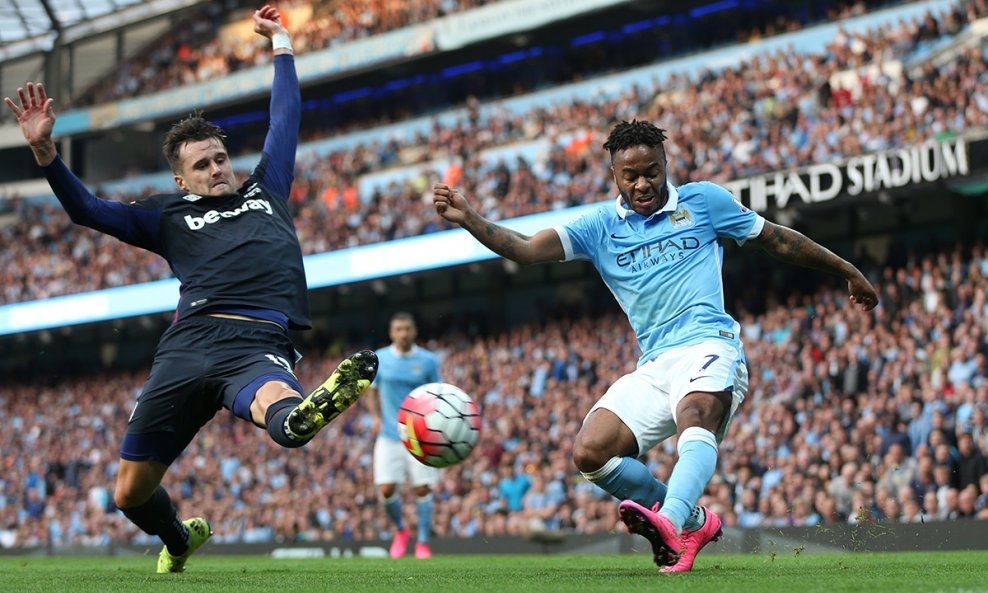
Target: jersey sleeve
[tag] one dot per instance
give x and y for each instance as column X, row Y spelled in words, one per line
column 581, row 238
column 277, row 171
column 133, row 224
column 729, row 217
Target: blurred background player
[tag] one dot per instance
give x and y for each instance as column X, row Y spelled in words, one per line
column 658, row 248
column 403, row 366
column 243, row 287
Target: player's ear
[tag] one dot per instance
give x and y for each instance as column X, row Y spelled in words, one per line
column 180, row 182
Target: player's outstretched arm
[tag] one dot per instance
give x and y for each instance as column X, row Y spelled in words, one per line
column 36, row 118
column 793, row 247
column 286, row 105
column 267, row 22
column 544, row 246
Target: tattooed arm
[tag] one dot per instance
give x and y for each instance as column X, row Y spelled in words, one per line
column 544, row 246
column 793, row 247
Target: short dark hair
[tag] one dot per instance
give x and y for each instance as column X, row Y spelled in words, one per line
column 403, row 316
column 191, row 129
column 628, row 134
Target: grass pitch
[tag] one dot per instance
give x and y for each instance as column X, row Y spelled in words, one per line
column 940, row 572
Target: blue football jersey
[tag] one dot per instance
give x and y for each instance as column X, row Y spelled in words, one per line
column 397, row 375
column 665, row 270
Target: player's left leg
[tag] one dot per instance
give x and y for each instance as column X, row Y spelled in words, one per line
column 256, row 379
column 337, row 393
column 705, row 398
column 291, row 420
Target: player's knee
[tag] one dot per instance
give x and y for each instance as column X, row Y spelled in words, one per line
column 387, row 491
column 128, row 498
column 589, row 454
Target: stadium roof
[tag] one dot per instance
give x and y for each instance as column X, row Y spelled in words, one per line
column 28, row 26
column 23, row 19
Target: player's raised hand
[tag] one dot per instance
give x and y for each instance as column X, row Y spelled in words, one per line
column 450, row 203
column 862, row 292
column 267, row 21
column 35, row 114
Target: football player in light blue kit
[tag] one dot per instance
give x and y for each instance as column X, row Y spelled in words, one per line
column 659, row 250
column 403, row 366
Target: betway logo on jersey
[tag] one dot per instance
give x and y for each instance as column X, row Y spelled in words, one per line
column 197, row 222
column 656, row 253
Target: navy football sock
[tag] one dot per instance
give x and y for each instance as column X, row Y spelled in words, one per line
column 274, row 419
column 158, row 517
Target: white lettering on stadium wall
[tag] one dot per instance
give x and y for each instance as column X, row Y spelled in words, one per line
column 860, row 174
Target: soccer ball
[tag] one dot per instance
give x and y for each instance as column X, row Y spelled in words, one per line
column 439, row 424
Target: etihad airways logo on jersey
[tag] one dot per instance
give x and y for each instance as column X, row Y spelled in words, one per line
column 197, row 222
column 656, row 253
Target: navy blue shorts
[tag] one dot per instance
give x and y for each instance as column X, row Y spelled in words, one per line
column 203, row 364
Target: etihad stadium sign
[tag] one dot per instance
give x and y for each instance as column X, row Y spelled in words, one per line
column 864, row 174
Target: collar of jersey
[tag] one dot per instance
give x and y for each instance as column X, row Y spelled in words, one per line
column 671, row 204
column 401, row 354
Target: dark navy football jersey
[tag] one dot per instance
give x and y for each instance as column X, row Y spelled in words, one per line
column 234, row 253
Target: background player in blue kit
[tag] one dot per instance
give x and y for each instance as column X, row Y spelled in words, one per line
column 235, row 251
column 658, row 248
column 403, row 367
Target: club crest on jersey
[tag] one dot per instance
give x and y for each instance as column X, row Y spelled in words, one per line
column 253, row 190
column 681, row 218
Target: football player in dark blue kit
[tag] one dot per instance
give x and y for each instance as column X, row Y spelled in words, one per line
column 234, row 249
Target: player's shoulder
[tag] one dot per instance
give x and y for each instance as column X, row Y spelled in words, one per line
column 423, row 352
column 156, row 201
column 605, row 213
column 701, row 190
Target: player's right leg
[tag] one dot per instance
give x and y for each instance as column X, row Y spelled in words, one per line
column 631, row 418
column 390, row 469
column 171, row 409
column 347, row 383
column 628, row 420
column 424, row 479
column 141, row 498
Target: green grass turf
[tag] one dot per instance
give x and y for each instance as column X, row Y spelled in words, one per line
column 940, row 572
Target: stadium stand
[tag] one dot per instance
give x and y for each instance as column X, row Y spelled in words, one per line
column 849, row 418
column 776, row 116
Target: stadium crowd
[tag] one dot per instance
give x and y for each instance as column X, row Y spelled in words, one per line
column 850, row 418
column 205, row 47
column 773, row 112
column 198, row 52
